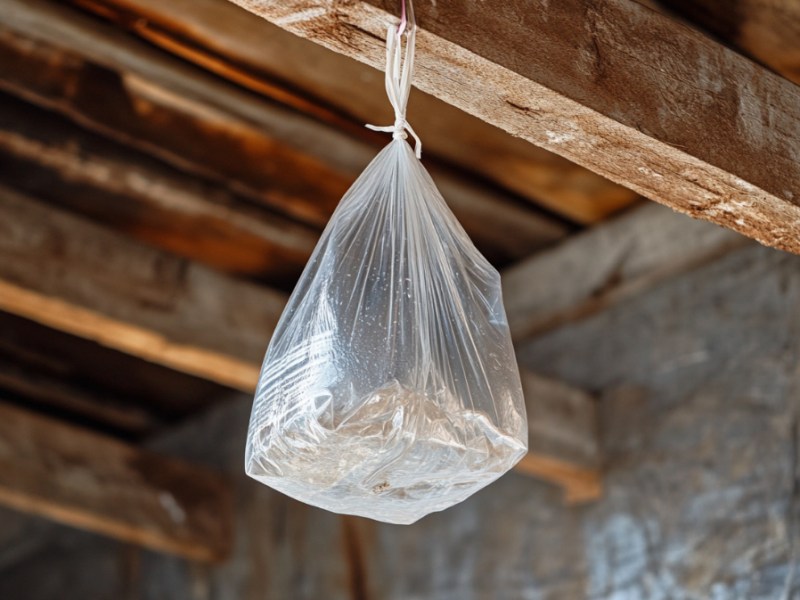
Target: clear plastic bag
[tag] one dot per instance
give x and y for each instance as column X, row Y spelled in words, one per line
column 390, row 388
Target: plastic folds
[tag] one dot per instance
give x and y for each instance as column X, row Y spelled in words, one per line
column 390, row 388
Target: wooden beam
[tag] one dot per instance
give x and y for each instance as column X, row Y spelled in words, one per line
column 563, row 442
column 242, row 48
column 93, row 482
column 44, row 361
column 21, row 537
column 72, row 275
column 66, row 273
column 768, row 31
column 45, row 155
column 62, row 396
column 612, row 85
column 125, row 89
column 608, row 264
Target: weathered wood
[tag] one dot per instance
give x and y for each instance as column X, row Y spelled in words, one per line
column 125, row 89
column 74, row 276
column 136, row 95
column 66, row 398
column 96, row 483
column 148, row 391
column 607, row 264
column 44, row 155
column 237, row 45
column 614, row 86
column 767, row 30
column 563, row 442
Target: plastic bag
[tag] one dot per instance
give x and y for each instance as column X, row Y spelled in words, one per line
column 390, row 388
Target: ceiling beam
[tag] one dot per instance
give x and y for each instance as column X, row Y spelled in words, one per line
column 45, row 155
column 75, row 276
column 608, row 264
column 767, row 30
column 614, row 86
column 72, row 275
column 86, row 480
column 259, row 56
column 123, row 88
column 64, row 397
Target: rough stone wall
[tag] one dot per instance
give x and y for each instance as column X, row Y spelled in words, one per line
column 698, row 384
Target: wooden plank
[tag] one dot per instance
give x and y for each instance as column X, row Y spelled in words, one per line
column 563, row 440
column 608, row 264
column 767, row 30
column 45, row 155
column 167, row 395
column 74, row 276
column 235, row 44
column 123, row 88
column 614, row 86
column 93, row 482
column 63, row 397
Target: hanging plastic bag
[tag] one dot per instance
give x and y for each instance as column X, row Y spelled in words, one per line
column 390, row 388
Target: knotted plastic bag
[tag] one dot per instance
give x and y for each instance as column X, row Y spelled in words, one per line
column 390, row 388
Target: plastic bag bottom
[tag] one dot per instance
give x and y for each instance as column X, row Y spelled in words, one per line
column 396, row 458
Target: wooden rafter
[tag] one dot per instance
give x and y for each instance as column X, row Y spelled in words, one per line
column 767, row 30
column 75, row 276
column 45, row 155
column 613, row 85
column 90, row 481
column 124, row 89
column 240, row 47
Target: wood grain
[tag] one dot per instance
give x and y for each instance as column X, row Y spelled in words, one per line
column 64, row 397
column 766, row 30
column 612, row 85
column 125, row 89
column 66, row 273
column 235, row 44
column 90, row 481
column 45, row 155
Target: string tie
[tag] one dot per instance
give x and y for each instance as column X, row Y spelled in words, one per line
column 398, row 85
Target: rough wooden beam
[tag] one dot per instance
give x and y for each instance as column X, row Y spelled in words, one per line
column 158, row 394
column 90, row 481
column 45, row 155
column 239, row 46
column 65, row 397
column 125, row 89
column 607, row 264
column 767, row 30
column 563, row 443
column 612, row 85
column 72, row 275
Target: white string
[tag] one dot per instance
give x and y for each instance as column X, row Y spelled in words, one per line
column 398, row 85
